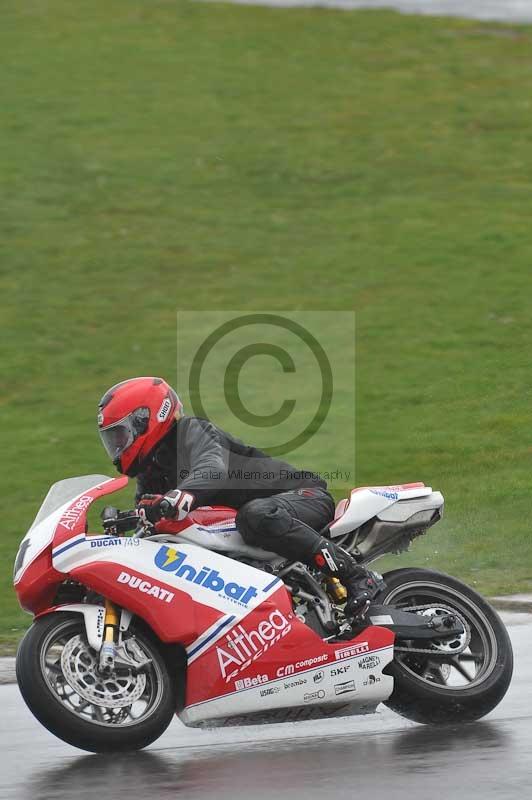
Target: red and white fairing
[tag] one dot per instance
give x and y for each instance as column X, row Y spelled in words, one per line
column 394, row 503
column 248, row 652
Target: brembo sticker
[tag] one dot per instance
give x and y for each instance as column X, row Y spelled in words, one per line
column 241, row 647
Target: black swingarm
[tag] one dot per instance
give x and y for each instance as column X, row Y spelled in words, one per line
column 407, row 625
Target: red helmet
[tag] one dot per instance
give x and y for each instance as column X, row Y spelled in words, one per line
column 133, row 417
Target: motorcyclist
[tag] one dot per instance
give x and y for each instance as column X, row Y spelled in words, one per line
column 182, row 462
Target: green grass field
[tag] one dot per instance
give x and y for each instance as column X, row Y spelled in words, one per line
column 167, row 155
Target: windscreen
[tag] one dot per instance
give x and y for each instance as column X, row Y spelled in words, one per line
column 65, row 490
column 41, row 532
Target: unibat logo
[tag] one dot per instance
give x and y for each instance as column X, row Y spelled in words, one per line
column 170, row 560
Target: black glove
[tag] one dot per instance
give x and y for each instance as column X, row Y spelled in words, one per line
column 149, row 506
column 174, row 505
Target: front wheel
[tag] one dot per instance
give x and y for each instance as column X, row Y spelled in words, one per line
column 451, row 680
column 58, row 677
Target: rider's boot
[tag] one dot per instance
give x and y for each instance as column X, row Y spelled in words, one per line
column 361, row 584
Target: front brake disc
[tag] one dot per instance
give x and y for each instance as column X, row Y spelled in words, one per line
column 80, row 669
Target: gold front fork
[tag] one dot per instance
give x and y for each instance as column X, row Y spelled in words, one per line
column 110, row 637
column 111, row 622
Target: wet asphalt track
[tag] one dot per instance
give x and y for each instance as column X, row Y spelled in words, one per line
column 366, row 757
column 516, row 11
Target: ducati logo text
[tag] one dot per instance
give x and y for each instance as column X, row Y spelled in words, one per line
column 110, row 542
column 151, row 589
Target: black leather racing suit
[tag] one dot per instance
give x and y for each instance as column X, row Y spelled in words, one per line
column 280, row 507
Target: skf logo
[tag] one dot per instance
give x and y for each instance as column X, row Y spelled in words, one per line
column 170, row 560
column 340, row 670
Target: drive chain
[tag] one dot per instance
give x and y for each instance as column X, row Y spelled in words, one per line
column 433, row 651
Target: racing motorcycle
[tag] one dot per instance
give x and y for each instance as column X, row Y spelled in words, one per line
column 138, row 622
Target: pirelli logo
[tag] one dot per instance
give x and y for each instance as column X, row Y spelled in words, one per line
column 353, row 650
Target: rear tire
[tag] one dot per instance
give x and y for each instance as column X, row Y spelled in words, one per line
column 50, row 698
column 415, row 695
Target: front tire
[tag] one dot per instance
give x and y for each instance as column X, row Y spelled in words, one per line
column 447, row 687
column 56, row 676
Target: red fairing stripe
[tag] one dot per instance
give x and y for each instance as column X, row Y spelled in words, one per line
column 171, row 613
column 210, row 515
column 39, row 582
column 38, row 585
column 266, row 645
column 74, row 519
column 341, row 508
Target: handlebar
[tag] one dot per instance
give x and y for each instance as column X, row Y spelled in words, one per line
column 115, row 521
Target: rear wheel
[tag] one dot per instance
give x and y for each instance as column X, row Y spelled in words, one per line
column 59, row 680
column 451, row 680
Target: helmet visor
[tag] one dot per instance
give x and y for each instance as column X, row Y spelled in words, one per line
column 116, row 438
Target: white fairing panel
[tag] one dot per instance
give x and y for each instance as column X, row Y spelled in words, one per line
column 354, row 684
column 209, row 578
column 404, row 509
column 94, row 621
column 60, row 496
column 365, row 504
column 223, row 541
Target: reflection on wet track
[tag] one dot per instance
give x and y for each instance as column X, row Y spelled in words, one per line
column 376, row 756
column 516, row 11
